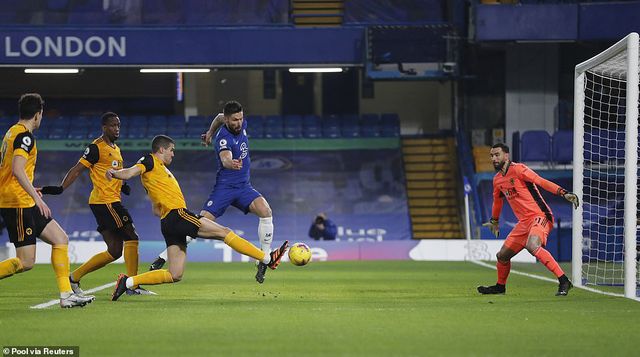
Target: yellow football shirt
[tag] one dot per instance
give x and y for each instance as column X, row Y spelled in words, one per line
column 18, row 141
column 161, row 186
column 98, row 158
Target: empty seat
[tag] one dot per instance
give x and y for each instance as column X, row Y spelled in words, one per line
column 158, row 121
column 273, row 125
column 535, row 146
column 389, row 125
column 293, row 126
column 77, row 133
column 562, row 146
column 255, row 126
column 350, row 126
column 58, row 133
column 371, row 130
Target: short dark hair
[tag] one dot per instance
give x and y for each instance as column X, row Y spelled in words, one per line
column 106, row 116
column 29, row 105
column 161, row 141
column 231, row 107
column 502, row 146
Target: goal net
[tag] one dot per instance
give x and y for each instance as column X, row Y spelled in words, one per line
column 606, row 169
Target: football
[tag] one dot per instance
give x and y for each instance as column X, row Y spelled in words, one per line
column 299, row 254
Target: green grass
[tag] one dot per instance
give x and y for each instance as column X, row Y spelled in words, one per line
column 330, row 308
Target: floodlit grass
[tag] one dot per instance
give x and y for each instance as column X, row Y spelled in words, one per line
column 329, row 308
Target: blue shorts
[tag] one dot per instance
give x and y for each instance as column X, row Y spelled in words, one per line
column 223, row 196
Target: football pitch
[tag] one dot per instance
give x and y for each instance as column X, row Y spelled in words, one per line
column 326, row 308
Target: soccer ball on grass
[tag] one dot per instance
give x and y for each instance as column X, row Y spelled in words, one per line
column 299, row 254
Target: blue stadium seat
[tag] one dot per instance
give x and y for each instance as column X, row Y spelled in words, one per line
column 350, row 126
column 331, row 127
column 562, row 146
column 197, row 125
column 273, row 126
column 293, row 126
column 255, row 126
column 57, row 133
column 370, row 125
column 158, row 121
column 177, row 132
column 311, row 127
column 176, row 127
column 77, row 133
column 176, row 119
column 199, row 120
column 389, row 125
column 87, row 12
column 370, row 118
column 82, row 121
column 273, row 132
column 535, row 146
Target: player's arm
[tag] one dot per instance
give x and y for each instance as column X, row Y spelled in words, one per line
column 17, row 168
column 145, row 164
column 529, row 175
column 68, row 179
column 228, row 162
column 216, row 123
column 89, row 158
column 124, row 174
column 496, row 208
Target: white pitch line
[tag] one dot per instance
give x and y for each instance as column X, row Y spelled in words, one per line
column 481, row 263
column 57, row 301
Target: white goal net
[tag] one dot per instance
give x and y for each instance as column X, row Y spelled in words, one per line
column 606, row 169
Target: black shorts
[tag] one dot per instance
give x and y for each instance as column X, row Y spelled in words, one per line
column 24, row 224
column 111, row 216
column 179, row 224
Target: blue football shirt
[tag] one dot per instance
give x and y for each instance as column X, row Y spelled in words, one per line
column 239, row 147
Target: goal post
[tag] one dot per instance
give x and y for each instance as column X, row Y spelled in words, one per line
column 605, row 169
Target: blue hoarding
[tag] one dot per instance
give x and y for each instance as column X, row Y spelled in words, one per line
column 180, row 46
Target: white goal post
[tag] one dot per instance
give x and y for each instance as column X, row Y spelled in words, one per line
column 605, row 169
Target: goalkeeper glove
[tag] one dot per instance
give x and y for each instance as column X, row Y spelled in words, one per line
column 51, row 190
column 493, row 227
column 126, row 189
column 569, row 196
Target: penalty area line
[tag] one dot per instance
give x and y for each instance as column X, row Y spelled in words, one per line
column 57, row 301
column 481, row 263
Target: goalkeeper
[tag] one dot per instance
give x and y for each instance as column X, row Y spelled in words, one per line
column 519, row 185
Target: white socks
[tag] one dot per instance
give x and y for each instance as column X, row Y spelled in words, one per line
column 265, row 233
column 164, row 255
column 129, row 283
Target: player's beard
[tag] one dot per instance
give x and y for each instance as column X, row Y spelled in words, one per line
column 233, row 130
column 499, row 166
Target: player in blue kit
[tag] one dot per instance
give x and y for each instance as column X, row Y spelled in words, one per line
column 233, row 187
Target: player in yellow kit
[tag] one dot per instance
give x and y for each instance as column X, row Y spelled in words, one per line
column 176, row 221
column 26, row 215
column 114, row 221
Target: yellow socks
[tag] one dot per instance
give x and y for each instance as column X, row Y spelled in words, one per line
column 131, row 257
column 96, row 262
column 242, row 246
column 154, row 277
column 9, row 267
column 60, row 263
